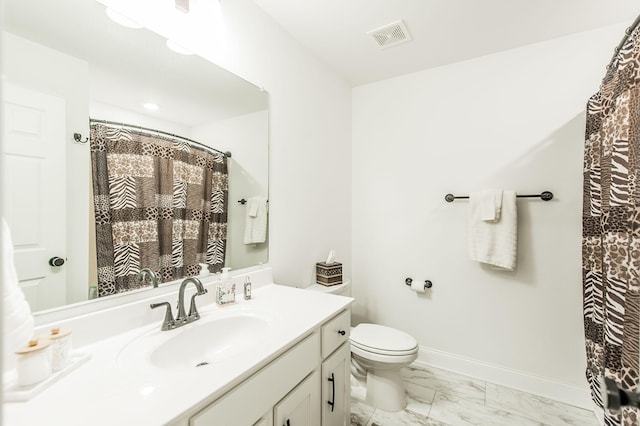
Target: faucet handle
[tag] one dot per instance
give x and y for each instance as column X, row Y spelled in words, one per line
column 168, row 323
column 193, row 310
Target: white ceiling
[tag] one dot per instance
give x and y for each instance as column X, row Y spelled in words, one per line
column 443, row 31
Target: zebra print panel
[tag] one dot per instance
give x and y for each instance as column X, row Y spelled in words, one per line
column 595, row 191
column 218, row 201
column 177, row 251
column 590, row 294
column 122, row 193
column 179, row 194
column 614, row 308
column 215, row 252
column 126, row 259
column 619, row 195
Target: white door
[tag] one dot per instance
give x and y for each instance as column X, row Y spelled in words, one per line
column 34, row 197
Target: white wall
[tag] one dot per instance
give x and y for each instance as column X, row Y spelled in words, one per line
column 309, row 145
column 514, row 120
column 101, row 111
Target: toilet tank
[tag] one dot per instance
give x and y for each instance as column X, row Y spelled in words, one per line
column 343, row 289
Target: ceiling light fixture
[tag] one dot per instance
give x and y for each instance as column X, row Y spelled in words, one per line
column 121, row 19
column 175, row 47
column 182, row 5
column 151, row 106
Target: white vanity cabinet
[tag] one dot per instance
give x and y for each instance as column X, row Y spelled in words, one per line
column 292, row 390
column 248, row 402
column 283, row 374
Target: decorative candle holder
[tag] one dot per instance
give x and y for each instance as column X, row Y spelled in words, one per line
column 60, row 348
column 33, row 362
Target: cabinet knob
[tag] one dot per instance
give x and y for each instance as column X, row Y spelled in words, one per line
column 342, row 332
column 56, row 261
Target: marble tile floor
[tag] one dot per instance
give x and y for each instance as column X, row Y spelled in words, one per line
column 441, row 398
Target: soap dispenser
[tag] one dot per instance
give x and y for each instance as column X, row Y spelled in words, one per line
column 226, row 288
column 204, row 270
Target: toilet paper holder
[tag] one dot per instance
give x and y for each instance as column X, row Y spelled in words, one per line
column 427, row 283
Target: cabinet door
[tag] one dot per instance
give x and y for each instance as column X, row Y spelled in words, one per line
column 302, row 406
column 266, row 420
column 336, row 388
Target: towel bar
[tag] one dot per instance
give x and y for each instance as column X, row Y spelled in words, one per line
column 243, row 201
column 545, row 196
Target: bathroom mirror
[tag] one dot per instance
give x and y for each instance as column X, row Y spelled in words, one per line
column 65, row 62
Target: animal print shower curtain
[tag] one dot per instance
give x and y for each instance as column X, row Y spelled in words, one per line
column 611, row 229
column 159, row 203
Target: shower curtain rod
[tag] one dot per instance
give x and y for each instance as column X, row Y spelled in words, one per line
column 135, row 126
column 627, row 33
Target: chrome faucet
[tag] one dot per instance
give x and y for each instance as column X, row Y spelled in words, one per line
column 193, row 315
column 169, row 323
column 143, row 274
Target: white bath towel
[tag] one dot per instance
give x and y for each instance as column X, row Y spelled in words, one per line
column 18, row 320
column 494, row 243
column 255, row 228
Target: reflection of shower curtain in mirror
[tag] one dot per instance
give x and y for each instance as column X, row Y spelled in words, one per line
column 611, row 229
column 159, row 204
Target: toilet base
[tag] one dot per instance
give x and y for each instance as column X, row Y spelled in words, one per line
column 385, row 390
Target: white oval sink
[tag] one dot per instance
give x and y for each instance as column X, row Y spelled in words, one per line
column 211, row 339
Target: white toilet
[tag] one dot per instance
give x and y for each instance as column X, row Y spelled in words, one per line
column 377, row 355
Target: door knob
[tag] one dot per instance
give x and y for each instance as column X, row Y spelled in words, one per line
column 56, row 261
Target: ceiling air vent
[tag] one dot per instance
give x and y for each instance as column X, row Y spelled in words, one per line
column 391, row 35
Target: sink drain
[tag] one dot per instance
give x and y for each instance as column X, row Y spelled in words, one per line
column 202, row 363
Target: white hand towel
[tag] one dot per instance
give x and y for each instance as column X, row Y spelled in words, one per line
column 494, row 243
column 18, row 321
column 255, row 228
column 490, row 204
column 253, row 204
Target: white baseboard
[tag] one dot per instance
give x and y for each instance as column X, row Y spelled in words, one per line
column 571, row 394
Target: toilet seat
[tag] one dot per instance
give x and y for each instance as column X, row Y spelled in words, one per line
column 382, row 340
column 379, row 351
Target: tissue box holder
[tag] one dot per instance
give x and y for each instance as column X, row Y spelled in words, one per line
column 329, row 274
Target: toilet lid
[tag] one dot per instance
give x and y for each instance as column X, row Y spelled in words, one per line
column 382, row 339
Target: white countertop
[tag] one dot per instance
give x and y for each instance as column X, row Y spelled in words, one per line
column 100, row 392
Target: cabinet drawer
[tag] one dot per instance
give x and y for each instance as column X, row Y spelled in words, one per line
column 335, row 332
